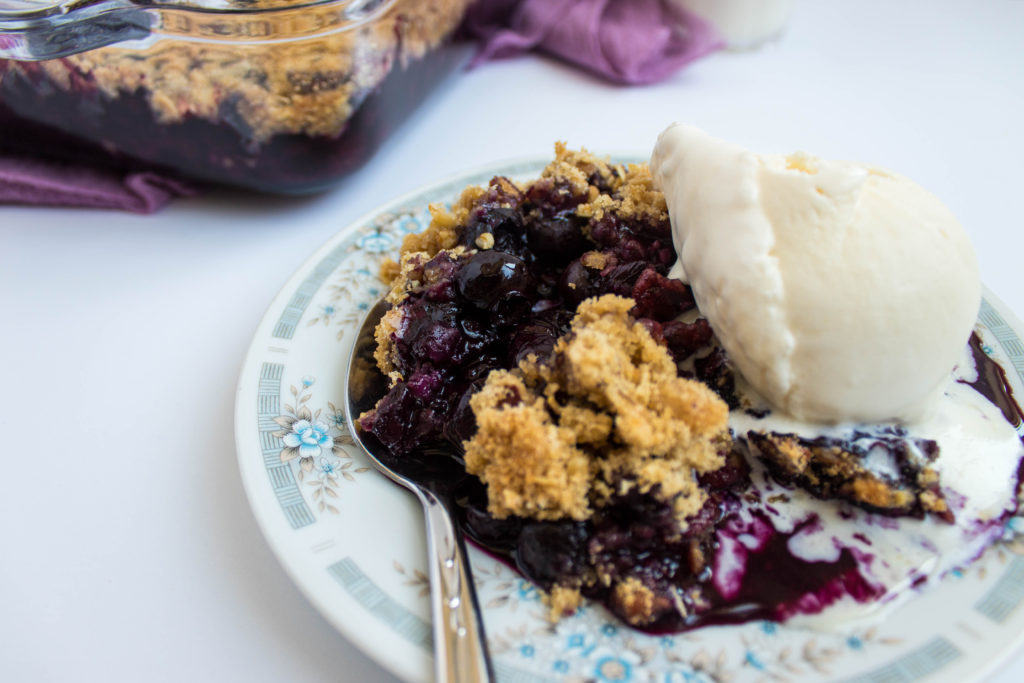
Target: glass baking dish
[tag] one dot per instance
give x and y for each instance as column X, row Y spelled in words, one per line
column 271, row 95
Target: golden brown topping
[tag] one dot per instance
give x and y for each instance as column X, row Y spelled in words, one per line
column 608, row 385
column 869, row 489
column 634, row 197
column 594, row 260
column 530, row 464
column 442, row 233
column 390, row 270
column 932, row 502
column 635, row 602
column 485, row 241
column 384, row 354
column 562, row 601
column 588, row 426
column 576, row 168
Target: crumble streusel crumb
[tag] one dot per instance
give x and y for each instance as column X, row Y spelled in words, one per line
column 932, row 502
column 869, row 489
column 562, row 601
column 401, row 280
column 635, row 197
column 594, row 260
column 484, row 241
column 635, row 601
column 531, row 465
column 608, row 383
column 587, row 425
column 390, row 270
column 383, row 335
column 575, row 169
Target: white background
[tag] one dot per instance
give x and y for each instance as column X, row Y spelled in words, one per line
column 127, row 549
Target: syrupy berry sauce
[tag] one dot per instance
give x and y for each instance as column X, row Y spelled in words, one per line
column 993, row 384
column 489, row 309
column 81, row 123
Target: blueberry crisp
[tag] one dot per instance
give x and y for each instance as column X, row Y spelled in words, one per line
column 535, row 337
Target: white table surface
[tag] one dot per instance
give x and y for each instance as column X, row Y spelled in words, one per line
column 128, row 549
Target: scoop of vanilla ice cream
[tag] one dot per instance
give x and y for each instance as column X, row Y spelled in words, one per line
column 841, row 291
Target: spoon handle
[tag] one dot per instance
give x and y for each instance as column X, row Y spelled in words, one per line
column 460, row 646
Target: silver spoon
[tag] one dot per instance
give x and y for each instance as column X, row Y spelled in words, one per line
column 460, row 646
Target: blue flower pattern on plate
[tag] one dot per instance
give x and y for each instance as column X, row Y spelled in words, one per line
column 305, row 438
column 310, row 438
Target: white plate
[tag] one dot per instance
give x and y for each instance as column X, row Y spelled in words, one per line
column 353, row 542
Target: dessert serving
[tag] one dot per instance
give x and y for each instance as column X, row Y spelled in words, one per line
column 276, row 95
column 791, row 419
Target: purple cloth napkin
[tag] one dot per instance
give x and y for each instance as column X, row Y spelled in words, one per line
column 25, row 180
column 626, row 41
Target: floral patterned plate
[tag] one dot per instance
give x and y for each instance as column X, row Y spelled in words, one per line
column 353, row 542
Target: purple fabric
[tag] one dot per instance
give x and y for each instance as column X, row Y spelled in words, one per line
column 25, row 180
column 626, row 41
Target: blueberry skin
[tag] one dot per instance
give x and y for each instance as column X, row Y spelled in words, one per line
column 490, row 278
